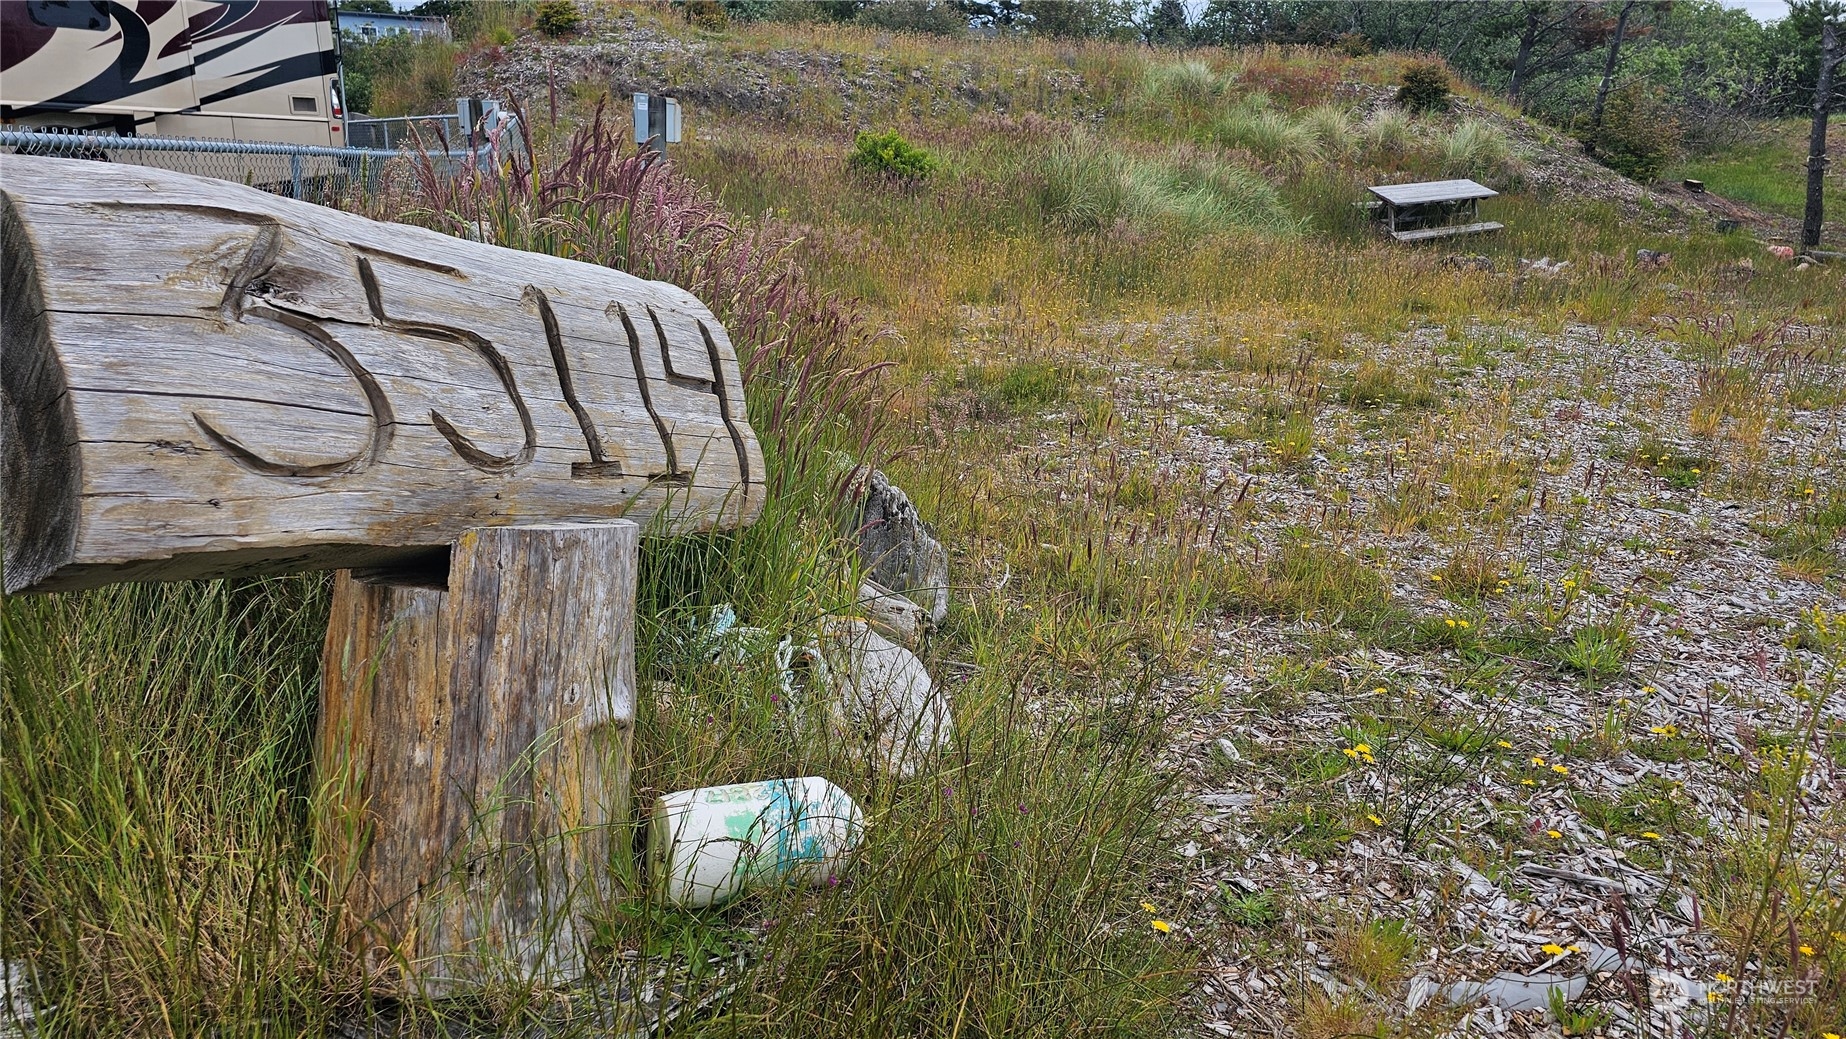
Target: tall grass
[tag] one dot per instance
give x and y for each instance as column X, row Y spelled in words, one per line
column 1267, row 132
column 1189, row 82
column 1476, row 148
column 157, row 868
column 1388, row 134
column 1087, row 183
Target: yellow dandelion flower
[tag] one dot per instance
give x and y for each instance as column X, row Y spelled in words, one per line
column 1553, row 834
column 1380, row 689
column 1149, row 906
column 1573, row 948
column 1435, row 577
column 1560, row 770
column 1650, row 835
column 1375, row 820
column 1536, row 760
column 1528, row 782
column 1363, row 748
column 1552, row 949
column 1351, row 753
column 1163, row 927
column 1807, row 950
column 1370, row 760
column 1503, row 743
column 1726, row 978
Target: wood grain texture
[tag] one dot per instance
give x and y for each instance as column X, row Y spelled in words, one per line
column 474, row 752
column 206, row 380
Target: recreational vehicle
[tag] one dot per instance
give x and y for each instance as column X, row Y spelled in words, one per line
column 252, row 70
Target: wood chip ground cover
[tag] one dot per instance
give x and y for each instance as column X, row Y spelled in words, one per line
column 1588, row 696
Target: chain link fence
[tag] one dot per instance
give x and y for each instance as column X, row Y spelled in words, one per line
column 323, row 175
column 410, row 131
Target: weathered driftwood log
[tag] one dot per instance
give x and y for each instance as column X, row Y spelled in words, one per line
column 202, row 380
column 474, row 751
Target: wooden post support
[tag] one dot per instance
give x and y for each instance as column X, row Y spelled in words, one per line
column 474, row 747
column 204, row 380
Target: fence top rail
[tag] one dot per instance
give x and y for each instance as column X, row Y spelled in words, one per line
column 14, row 138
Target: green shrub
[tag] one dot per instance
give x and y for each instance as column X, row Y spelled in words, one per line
column 398, row 75
column 933, row 17
column 1424, row 87
column 1639, row 135
column 557, row 18
column 890, row 155
column 707, row 14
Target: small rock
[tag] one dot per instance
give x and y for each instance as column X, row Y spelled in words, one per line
column 892, row 615
column 879, row 693
column 898, row 550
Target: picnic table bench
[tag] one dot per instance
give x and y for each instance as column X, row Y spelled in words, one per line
column 1430, row 209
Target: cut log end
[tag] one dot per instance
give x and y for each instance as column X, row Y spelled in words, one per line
column 40, row 467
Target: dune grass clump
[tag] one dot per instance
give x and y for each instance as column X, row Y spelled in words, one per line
column 1476, row 148
column 1268, row 133
column 1190, row 82
column 1389, row 134
column 1089, row 185
column 1332, row 128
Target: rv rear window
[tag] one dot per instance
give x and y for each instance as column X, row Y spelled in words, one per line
column 304, row 105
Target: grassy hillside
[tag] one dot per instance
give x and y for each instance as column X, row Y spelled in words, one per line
column 1769, row 169
column 1335, row 620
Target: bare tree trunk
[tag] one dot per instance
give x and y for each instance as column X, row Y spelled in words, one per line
column 1817, row 134
column 1527, row 40
column 1608, row 66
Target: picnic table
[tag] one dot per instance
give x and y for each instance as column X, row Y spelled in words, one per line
column 1430, row 209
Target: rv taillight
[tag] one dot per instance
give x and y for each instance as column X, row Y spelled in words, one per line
column 333, row 96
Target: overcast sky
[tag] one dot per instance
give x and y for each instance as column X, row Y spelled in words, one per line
column 1761, row 10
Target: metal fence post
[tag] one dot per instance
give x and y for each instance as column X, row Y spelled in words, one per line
column 294, row 170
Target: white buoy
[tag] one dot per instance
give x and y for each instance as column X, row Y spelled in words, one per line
column 709, row 844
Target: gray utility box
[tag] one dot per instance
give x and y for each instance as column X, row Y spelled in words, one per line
column 657, row 121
